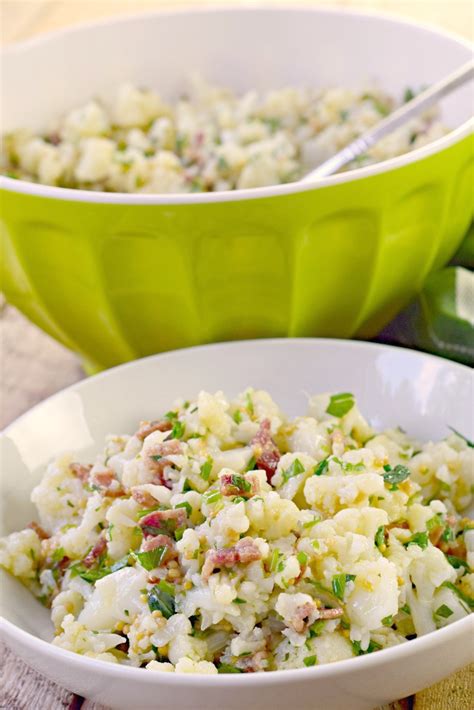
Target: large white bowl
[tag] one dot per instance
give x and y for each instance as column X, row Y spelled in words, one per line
column 422, row 393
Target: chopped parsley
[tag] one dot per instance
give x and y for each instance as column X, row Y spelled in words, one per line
column 316, row 628
column 408, row 95
column 444, row 611
column 394, row 476
column 237, row 416
column 309, row 661
column 211, row 497
column 387, row 620
column 250, row 407
column 340, row 404
column 434, row 522
column 166, row 587
column 302, row 558
column 420, row 538
column 339, row 582
column 251, row 464
column 227, row 668
column 186, row 506
column 294, row 469
column 373, row 646
column 57, row 555
column 206, row 469
column 152, row 558
column 459, row 593
column 458, row 562
column 241, row 483
column 321, row 467
column 177, row 431
column 159, row 600
column 237, row 600
column 380, row 536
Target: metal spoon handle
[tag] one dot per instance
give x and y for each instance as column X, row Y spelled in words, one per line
column 412, row 108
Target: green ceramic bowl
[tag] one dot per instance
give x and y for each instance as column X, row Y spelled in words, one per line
column 115, row 276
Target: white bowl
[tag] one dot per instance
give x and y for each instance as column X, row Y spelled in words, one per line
column 424, row 394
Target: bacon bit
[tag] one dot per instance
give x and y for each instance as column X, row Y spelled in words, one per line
column 97, row 551
column 435, row 534
column 108, row 483
column 335, row 613
column 144, row 498
column 266, row 452
column 123, row 646
column 244, row 551
column 147, row 428
column 304, row 617
column 161, row 541
column 229, row 486
column 157, row 460
column 54, row 138
column 80, row 470
column 398, row 524
column 158, row 517
column 41, row 532
column 254, row 663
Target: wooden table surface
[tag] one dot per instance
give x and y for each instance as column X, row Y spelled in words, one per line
column 33, row 366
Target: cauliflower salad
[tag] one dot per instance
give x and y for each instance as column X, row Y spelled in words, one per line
column 209, row 139
column 224, row 537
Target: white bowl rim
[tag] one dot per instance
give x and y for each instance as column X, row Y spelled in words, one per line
column 72, row 195
column 374, row 660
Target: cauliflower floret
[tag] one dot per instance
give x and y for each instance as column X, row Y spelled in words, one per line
column 271, row 516
column 88, row 120
column 95, row 159
column 20, row 552
column 80, row 639
column 59, row 497
column 77, row 541
column 113, row 596
column 67, row 602
column 331, row 493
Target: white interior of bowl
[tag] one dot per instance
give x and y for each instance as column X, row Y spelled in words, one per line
column 423, row 394
column 242, row 48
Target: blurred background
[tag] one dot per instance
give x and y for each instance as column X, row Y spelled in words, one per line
column 25, row 18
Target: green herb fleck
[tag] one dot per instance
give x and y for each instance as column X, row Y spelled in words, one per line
column 309, row 661
column 237, row 600
column 339, row 582
column 387, row 620
column 380, row 537
column 420, row 538
column 459, row 593
column 153, row 558
column 186, row 506
column 316, row 628
column 251, row 464
column 321, row 467
column 302, row 558
column 206, row 469
column 340, row 404
column 396, row 475
column 159, row 600
column 227, row 668
column 237, row 416
column 294, row 469
column 444, row 611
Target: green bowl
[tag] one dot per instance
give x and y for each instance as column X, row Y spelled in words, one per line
column 115, row 277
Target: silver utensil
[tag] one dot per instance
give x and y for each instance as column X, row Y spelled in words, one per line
column 412, row 108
